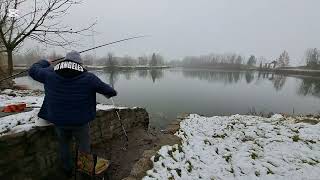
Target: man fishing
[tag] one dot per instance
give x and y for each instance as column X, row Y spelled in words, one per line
column 70, row 101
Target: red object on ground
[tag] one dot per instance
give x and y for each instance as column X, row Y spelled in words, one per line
column 14, row 108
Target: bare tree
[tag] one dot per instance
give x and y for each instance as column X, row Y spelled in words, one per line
column 88, row 59
column 239, row 60
column 143, row 60
column 128, row 61
column 153, row 61
column 312, row 57
column 110, row 60
column 227, row 60
column 54, row 55
column 40, row 20
column 252, row 61
column 159, row 60
column 31, row 56
column 284, row 59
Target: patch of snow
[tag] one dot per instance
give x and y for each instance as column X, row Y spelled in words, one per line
column 108, row 107
column 277, row 117
column 18, row 122
column 240, row 147
column 21, row 121
column 7, row 91
column 97, row 67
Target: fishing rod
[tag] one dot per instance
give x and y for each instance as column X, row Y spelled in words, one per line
column 123, row 129
column 114, row 42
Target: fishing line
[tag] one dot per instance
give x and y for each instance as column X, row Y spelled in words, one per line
column 123, row 129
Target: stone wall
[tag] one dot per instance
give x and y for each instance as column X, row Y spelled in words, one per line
column 34, row 154
column 102, row 129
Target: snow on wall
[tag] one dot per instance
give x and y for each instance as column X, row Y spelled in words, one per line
column 240, row 147
column 22, row 121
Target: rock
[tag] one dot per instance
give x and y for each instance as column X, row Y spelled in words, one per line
column 182, row 116
column 140, row 168
column 148, row 154
column 171, row 129
column 130, row 178
column 148, row 140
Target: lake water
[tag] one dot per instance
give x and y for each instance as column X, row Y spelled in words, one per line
column 169, row 92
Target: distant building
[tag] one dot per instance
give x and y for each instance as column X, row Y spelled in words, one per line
column 270, row 65
column 274, row 64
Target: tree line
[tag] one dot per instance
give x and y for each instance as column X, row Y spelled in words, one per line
column 110, row 60
column 233, row 60
column 312, row 58
column 230, row 60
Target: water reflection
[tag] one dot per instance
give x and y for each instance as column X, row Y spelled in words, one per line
column 249, row 76
column 309, row 86
column 128, row 74
column 113, row 75
column 278, row 81
column 227, row 77
column 230, row 77
column 156, row 74
column 265, row 75
column 143, row 73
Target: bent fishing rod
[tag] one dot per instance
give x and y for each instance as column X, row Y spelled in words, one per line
column 107, row 44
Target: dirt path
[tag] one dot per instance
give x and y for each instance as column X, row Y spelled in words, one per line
column 139, row 141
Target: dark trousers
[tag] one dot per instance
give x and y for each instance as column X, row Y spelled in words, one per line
column 65, row 134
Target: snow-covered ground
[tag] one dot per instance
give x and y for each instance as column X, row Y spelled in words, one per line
column 240, row 147
column 22, row 121
column 26, row 120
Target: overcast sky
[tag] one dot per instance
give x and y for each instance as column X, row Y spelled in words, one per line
column 180, row 28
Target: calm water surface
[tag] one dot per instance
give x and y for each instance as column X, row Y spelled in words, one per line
column 167, row 93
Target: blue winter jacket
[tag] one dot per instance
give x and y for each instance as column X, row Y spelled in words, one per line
column 68, row 101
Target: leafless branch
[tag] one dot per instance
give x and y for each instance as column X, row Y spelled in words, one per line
column 40, row 21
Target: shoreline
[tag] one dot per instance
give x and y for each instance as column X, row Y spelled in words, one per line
column 291, row 71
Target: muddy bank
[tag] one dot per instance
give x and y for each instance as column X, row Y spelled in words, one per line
column 135, row 160
column 152, row 141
